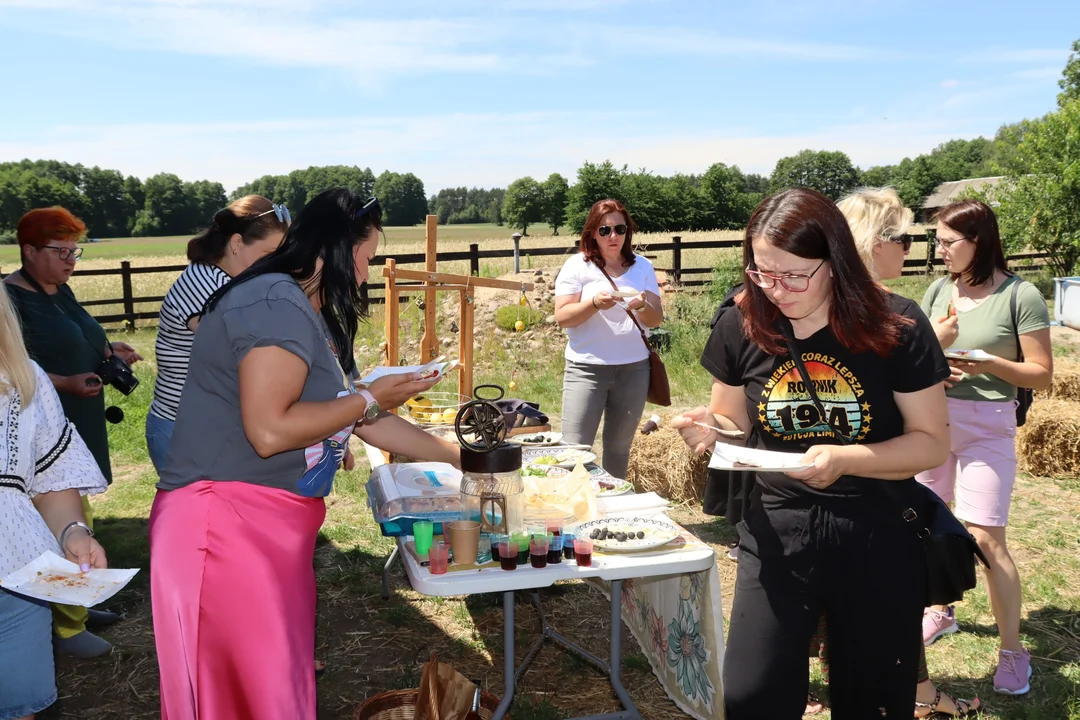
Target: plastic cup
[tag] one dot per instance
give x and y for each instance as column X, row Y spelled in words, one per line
column 508, row 556
column 555, row 527
column 439, row 555
column 536, row 529
column 498, row 539
column 555, row 546
column 483, row 550
column 464, row 540
column 538, row 552
column 423, row 531
column 522, row 542
column 583, row 551
column 568, row 545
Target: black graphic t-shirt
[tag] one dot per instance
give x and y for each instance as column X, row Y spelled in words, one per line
column 856, row 390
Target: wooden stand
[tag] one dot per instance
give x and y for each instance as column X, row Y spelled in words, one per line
column 433, row 281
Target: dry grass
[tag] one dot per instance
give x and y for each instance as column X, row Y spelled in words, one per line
column 661, row 462
column 1049, row 444
column 1066, row 381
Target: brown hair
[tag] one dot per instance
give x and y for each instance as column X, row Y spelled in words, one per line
column 808, row 224
column 975, row 221
column 589, row 247
column 238, row 218
column 38, row 227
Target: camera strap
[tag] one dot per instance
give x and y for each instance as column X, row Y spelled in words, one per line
column 33, row 282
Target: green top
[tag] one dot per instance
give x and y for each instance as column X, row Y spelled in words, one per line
column 64, row 340
column 989, row 327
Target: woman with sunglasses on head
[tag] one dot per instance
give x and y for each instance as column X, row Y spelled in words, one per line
column 263, row 426
column 819, row 539
column 985, row 307
column 604, row 296
column 241, row 233
column 70, row 346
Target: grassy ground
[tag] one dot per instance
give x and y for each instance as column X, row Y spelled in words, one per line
column 372, row 645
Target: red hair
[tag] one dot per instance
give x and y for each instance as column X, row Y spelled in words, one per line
column 591, row 249
column 808, row 224
column 38, row 228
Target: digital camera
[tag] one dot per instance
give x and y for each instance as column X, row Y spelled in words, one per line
column 114, row 371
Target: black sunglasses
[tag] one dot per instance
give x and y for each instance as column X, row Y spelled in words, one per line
column 605, row 230
column 369, row 206
column 904, row 240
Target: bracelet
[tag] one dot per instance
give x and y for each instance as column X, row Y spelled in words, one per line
column 71, row 526
column 594, row 303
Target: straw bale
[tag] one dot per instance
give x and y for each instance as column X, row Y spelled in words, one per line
column 1066, row 381
column 661, row 462
column 1049, row 443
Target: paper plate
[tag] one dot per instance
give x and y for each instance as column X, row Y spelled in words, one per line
column 657, row 533
column 610, row 486
column 968, row 355
column 624, row 294
column 742, row 459
column 554, row 456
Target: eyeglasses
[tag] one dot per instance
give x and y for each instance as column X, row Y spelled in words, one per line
column 280, row 212
column 947, row 244
column 605, row 230
column 371, row 204
column 904, row 240
column 64, row 253
column 790, row 282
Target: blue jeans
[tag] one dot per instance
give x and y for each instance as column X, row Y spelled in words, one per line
column 27, row 679
column 158, row 436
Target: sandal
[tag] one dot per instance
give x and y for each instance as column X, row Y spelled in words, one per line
column 964, row 708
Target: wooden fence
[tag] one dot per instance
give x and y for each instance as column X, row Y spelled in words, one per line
column 685, row 277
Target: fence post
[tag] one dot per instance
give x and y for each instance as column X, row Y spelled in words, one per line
column 129, row 297
column 931, row 248
column 516, row 237
column 676, row 259
column 474, row 259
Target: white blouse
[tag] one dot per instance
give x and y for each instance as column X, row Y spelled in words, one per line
column 40, row 451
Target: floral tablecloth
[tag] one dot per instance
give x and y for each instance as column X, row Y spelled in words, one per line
column 679, row 625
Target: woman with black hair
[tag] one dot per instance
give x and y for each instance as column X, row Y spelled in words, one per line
column 263, row 426
column 827, row 538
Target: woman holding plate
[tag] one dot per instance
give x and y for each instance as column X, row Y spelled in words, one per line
column 823, row 535
column 999, row 313
column 603, row 295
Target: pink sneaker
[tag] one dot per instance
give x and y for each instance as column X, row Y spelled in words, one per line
column 937, row 624
column 1013, row 673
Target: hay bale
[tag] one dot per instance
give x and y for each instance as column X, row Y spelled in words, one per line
column 662, row 463
column 1049, row 443
column 1066, row 381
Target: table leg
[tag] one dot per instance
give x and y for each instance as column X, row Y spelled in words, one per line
column 616, row 652
column 386, row 572
column 508, row 657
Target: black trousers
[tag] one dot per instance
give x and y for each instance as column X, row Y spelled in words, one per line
column 852, row 560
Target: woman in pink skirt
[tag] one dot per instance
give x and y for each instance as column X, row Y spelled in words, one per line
column 263, row 425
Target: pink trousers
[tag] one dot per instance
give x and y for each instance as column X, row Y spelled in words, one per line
column 233, row 594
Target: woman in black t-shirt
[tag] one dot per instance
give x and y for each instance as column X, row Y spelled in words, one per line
column 826, row 538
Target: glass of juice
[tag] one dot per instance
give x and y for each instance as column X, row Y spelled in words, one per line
column 439, row 555
column 568, row 546
column 583, row 551
column 522, row 542
column 538, row 551
column 508, row 555
column 555, row 546
column 496, row 541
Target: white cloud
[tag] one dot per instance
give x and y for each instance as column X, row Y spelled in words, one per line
column 455, row 149
column 950, row 83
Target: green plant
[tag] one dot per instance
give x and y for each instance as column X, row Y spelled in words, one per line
column 508, row 315
column 727, row 274
column 7, row 237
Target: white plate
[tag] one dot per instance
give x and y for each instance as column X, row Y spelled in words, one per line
column 562, row 458
column 543, row 439
column 56, row 579
column 384, row 370
column 624, row 294
column 657, row 533
column 550, row 471
column 730, row 457
column 969, row 355
column 621, row 487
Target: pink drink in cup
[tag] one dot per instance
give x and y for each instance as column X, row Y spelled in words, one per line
column 439, row 555
column 583, row 551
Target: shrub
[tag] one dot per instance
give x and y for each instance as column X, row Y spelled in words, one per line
column 727, row 274
column 7, row 237
column 508, row 315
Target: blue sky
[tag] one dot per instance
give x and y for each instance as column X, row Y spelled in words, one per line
column 479, row 92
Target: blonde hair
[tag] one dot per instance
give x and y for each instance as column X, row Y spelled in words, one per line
column 874, row 214
column 16, row 371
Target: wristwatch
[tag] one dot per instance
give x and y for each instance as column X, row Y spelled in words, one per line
column 373, row 408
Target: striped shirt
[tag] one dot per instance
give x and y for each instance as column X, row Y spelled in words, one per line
column 184, row 301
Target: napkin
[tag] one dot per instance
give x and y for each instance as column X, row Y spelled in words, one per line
column 54, row 579
column 645, row 503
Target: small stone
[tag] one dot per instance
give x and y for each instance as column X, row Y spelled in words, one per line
column 539, row 273
column 550, row 320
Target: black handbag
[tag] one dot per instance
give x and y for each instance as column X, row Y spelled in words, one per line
column 949, row 547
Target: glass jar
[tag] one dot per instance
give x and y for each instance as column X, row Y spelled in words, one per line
column 491, row 489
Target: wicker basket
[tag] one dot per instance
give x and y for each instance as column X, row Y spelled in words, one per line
column 401, row 705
